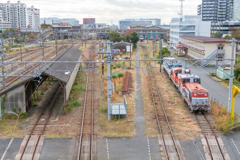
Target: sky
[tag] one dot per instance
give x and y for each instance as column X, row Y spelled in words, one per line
column 111, row 11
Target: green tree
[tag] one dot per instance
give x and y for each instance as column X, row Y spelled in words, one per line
column 165, row 53
column 46, row 26
column 120, row 75
column 134, row 39
column 114, row 77
column 217, row 35
column 237, row 35
column 19, row 40
column 114, row 36
column 31, row 36
column 227, row 37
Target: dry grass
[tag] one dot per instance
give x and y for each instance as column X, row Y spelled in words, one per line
column 174, row 111
column 221, row 117
column 7, row 128
column 117, row 128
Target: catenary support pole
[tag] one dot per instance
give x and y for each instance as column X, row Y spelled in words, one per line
column 56, row 42
column 21, row 50
column 231, row 78
column 42, row 48
column 3, row 82
column 160, row 47
column 109, row 59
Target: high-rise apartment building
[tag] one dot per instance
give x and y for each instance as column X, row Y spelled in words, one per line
column 89, row 21
column 237, row 9
column 16, row 13
column 199, row 11
column 33, row 18
column 217, row 10
column 19, row 15
column 124, row 24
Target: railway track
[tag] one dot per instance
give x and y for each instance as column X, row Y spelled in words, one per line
column 31, row 146
column 170, row 147
column 214, row 149
column 87, row 139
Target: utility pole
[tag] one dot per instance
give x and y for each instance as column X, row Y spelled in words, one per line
column 72, row 38
column 56, row 42
column 2, row 56
column 160, row 47
column 130, row 53
column 231, row 78
column 109, row 60
column 81, row 39
column 102, row 60
column 10, row 42
column 147, row 36
column 21, row 50
column 85, row 39
column 42, row 47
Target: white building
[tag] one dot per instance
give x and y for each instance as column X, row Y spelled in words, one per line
column 15, row 13
column 3, row 24
column 33, row 18
column 19, row 15
column 191, row 26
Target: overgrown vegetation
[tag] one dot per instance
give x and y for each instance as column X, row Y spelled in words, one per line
column 221, row 117
column 76, row 93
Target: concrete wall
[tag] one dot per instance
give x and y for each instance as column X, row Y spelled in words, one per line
column 71, row 80
column 15, row 99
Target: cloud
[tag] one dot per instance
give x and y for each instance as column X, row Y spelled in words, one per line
column 107, row 10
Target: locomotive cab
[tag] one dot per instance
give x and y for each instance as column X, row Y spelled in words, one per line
column 197, row 97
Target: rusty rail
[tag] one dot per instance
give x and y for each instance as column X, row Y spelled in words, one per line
column 31, row 132
column 152, row 77
column 213, row 132
column 91, row 58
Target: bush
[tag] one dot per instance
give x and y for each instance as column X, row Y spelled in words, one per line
column 114, row 77
column 119, row 65
column 103, row 109
column 75, row 104
column 237, row 73
column 79, row 89
column 24, row 115
column 120, row 75
column 68, row 110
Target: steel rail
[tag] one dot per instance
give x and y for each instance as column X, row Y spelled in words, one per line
column 45, row 125
column 165, row 115
column 204, row 136
column 158, row 122
column 214, row 135
column 84, row 109
column 166, row 118
column 195, row 143
column 31, row 132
